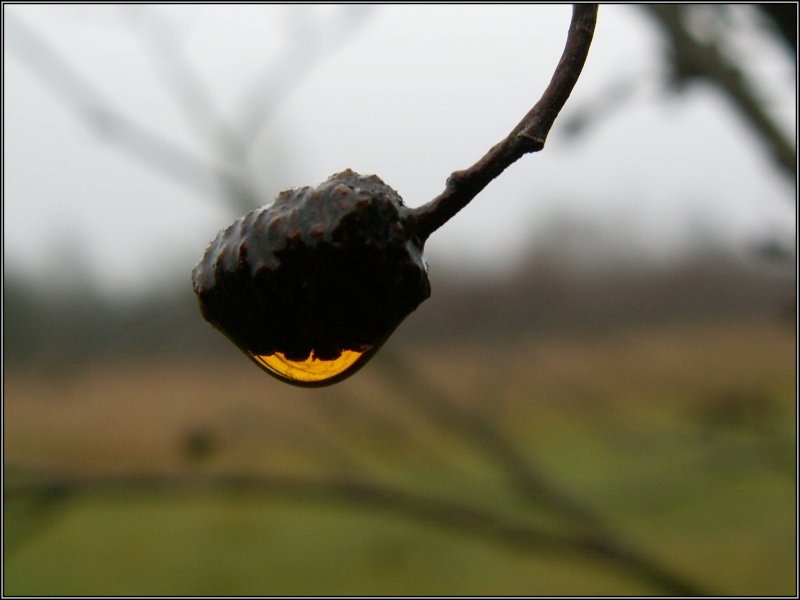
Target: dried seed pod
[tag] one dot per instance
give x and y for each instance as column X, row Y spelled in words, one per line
column 311, row 285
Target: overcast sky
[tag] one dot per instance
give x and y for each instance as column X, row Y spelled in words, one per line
column 415, row 93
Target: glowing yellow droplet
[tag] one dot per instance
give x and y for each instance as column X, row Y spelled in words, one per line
column 311, row 371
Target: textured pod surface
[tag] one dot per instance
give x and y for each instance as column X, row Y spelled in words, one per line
column 320, row 270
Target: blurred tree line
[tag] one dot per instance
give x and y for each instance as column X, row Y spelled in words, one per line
column 547, row 292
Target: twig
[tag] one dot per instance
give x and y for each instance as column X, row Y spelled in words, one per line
column 695, row 59
column 605, row 103
column 476, row 522
column 291, row 67
column 196, row 100
column 97, row 113
column 441, row 409
column 191, row 93
column 523, row 474
column 783, row 18
column 528, row 136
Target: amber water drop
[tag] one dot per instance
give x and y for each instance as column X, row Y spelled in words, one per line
column 312, row 370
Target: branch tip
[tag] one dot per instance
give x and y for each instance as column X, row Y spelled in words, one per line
column 528, row 136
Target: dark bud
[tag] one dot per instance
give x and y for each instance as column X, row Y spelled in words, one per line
column 321, row 270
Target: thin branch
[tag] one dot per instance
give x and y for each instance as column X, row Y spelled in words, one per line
column 289, row 69
column 692, row 58
column 95, row 111
column 196, row 100
column 605, row 103
column 477, row 522
column 525, row 476
column 441, row 409
column 783, row 18
column 528, row 136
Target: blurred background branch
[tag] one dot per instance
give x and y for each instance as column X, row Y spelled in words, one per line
column 309, row 45
column 228, row 180
column 693, row 59
column 462, row 517
column 699, row 56
column 783, row 16
column 100, row 116
column 163, row 43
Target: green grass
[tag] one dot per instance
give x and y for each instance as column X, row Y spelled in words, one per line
column 233, row 546
column 692, row 464
column 733, row 534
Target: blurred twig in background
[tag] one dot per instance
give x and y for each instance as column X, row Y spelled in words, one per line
column 701, row 57
column 783, row 16
column 692, row 59
column 463, row 517
column 527, row 478
column 101, row 116
column 225, row 180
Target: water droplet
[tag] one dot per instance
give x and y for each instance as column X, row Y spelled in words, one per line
column 312, row 371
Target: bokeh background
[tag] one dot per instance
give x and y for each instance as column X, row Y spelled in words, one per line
column 599, row 397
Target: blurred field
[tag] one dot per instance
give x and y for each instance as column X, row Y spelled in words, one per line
column 681, row 437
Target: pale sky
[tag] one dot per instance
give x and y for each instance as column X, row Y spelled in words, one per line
column 419, row 91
